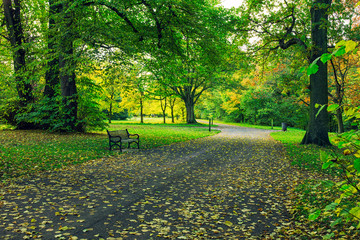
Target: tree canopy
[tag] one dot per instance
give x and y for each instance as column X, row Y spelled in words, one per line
column 68, row 65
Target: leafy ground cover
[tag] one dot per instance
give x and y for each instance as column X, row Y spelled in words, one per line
column 28, row 152
column 317, row 191
column 233, row 185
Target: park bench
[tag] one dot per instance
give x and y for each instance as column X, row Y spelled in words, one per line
column 117, row 137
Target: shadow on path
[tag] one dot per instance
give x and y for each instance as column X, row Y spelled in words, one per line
column 232, row 185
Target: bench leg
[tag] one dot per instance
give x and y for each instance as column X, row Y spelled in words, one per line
column 115, row 144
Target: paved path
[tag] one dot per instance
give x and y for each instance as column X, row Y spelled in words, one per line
column 229, row 186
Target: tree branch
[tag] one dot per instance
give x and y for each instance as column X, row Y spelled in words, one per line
column 157, row 22
column 119, row 13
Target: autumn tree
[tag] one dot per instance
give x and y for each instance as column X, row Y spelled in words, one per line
column 283, row 29
column 341, row 68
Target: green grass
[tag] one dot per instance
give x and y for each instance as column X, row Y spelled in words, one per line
column 304, row 156
column 250, row 125
column 27, row 152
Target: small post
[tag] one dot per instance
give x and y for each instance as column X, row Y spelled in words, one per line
column 209, row 124
column 272, row 123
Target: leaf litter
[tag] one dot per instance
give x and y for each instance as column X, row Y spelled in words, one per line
column 235, row 185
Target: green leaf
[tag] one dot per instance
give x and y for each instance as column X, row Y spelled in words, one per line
column 313, row 216
column 355, row 211
column 336, row 222
column 339, row 52
column 332, row 107
column 313, row 67
column 329, row 236
column 357, row 164
column 324, row 156
column 344, row 187
column 327, row 165
column 331, row 206
column 326, row 57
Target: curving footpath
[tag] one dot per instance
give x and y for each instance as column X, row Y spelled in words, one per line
column 233, row 185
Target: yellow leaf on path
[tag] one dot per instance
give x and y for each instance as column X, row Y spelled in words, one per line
column 228, row 223
column 347, row 152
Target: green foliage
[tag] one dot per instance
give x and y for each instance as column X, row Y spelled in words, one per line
column 262, row 106
column 90, row 117
column 339, row 203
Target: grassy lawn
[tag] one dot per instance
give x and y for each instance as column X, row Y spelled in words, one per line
column 304, row 156
column 27, row 152
column 250, row 125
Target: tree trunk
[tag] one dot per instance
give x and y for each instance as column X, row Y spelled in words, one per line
column 163, row 109
column 110, row 112
column 172, row 105
column 339, row 120
column 12, row 15
column 52, row 72
column 190, row 113
column 67, row 71
column 141, row 110
column 317, row 130
column 172, row 115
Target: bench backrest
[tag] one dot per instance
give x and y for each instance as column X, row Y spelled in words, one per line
column 124, row 134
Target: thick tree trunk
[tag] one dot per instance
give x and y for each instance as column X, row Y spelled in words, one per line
column 317, row 130
column 67, row 67
column 12, row 14
column 190, row 113
column 52, row 73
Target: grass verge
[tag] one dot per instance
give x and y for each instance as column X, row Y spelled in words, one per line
column 250, row 125
column 318, row 193
column 28, row 152
column 306, row 157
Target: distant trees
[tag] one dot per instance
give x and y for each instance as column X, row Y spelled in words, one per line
column 71, row 39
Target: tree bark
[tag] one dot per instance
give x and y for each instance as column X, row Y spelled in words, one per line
column 52, row 72
column 110, row 112
column 67, row 67
column 163, row 109
column 12, row 14
column 190, row 113
column 339, row 119
column 141, row 109
column 317, row 130
column 172, row 105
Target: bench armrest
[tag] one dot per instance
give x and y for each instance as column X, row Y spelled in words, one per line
column 137, row 135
